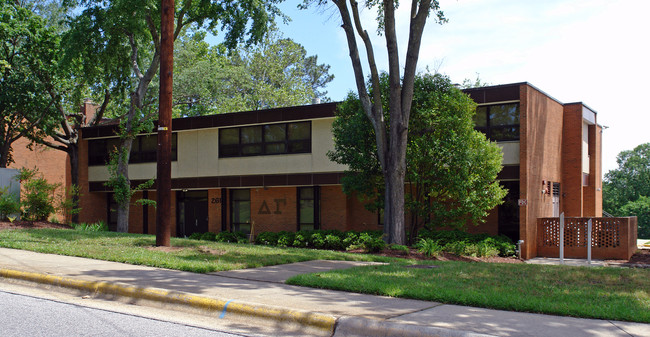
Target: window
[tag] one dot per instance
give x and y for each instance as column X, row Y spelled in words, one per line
column 499, row 121
column 240, row 214
column 143, row 150
column 308, row 208
column 111, row 212
column 260, row 140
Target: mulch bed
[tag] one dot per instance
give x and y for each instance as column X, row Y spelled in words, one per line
column 640, row 259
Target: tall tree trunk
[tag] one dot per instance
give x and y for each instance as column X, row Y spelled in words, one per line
column 73, row 152
column 124, row 200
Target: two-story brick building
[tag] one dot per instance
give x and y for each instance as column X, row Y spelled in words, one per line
column 268, row 169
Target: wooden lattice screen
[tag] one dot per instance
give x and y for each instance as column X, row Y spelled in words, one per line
column 610, row 237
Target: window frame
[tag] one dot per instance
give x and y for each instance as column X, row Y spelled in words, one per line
column 99, row 151
column 490, row 130
column 315, row 204
column 237, row 150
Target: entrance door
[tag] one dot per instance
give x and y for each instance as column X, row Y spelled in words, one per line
column 509, row 211
column 192, row 213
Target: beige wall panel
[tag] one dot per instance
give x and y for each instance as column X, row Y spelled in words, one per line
column 136, row 172
column 510, row 152
column 187, row 154
column 207, row 160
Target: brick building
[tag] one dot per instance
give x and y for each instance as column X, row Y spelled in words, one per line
column 268, row 169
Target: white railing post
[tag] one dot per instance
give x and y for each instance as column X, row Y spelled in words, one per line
column 562, row 238
column 589, row 242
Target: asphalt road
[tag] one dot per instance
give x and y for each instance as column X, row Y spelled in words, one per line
column 26, row 315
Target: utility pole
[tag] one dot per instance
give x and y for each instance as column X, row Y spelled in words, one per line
column 164, row 165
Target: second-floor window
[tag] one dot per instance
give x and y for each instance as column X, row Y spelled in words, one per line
column 499, row 121
column 143, row 150
column 269, row 139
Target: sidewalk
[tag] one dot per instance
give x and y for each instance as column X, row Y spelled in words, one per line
column 261, row 293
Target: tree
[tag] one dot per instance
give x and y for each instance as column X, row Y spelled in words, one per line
column 27, row 50
column 119, row 45
column 276, row 72
column 451, row 168
column 391, row 142
column 626, row 189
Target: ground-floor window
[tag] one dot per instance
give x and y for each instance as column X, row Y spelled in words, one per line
column 111, row 210
column 240, row 210
column 308, row 208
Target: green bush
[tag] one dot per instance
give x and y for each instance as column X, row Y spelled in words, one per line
column 473, row 244
column 400, row 248
column 457, row 247
column 334, row 242
column 38, row 197
column 371, row 243
column 208, row 236
column 99, row 226
column 428, row 247
column 267, row 238
column 232, row 237
column 195, row 236
column 286, row 239
column 9, row 204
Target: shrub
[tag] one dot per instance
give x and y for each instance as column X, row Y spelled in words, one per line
column 195, row 236
column 207, row 236
column 301, row 239
column 267, row 238
column 99, row 226
column 457, row 248
column 428, row 247
column 38, row 196
column 371, row 243
column 286, row 239
column 333, row 242
column 9, row 204
column 400, row 248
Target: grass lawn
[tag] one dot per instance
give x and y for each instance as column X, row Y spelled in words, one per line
column 604, row 292
column 188, row 255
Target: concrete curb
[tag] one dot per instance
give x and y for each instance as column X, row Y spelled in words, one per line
column 310, row 319
column 362, row 327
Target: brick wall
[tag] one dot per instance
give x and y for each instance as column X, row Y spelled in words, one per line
column 541, row 140
column 53, row 164
column 571, row 200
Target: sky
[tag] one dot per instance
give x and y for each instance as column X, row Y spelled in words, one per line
column 590, row 51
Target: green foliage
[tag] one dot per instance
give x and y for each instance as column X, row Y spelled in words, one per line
column 274, row 73
column 195, row 236
column 400, row 248
column 9, row 204
column 70, row 202
column 451, row 168
column 209, row 236
column 641, row 209
column 99, row 226
column 38, row 198
column 463, row 243
column 324, row 239
column 428, row 247
column 626, row 189
column 28, row 56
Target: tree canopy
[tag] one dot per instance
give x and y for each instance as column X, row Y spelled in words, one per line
column 391, row 142
column 451, row 168
column 117, row 43
column 276, row 72
column 27, row 54
column 626, row 189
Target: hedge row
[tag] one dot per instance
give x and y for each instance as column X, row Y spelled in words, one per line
column 370, row 241
column 462, row 243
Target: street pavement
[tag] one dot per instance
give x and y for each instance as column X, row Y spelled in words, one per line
column 261, row 294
